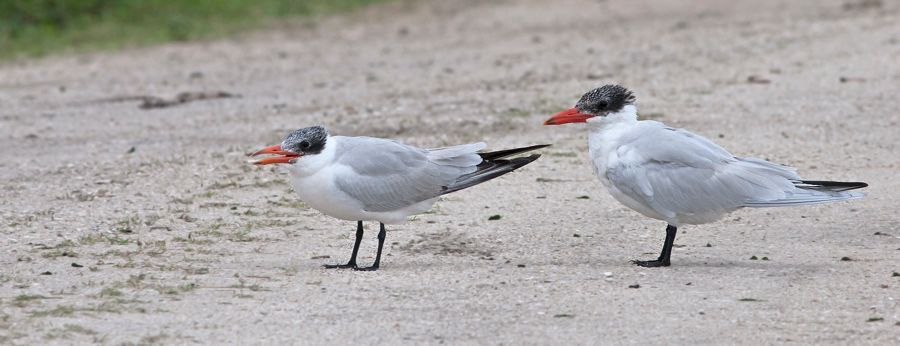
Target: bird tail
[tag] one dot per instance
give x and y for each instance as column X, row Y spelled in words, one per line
column 815, row 192
column 824, row 185
column 494, row 165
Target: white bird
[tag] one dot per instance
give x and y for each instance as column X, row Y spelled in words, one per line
column 374, row 179
column 677, row 176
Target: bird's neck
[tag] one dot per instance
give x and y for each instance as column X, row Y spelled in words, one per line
column 307, row 165
column 626, row 116
column 604, row 132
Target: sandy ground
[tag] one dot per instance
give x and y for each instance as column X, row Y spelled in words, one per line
column 143, row 226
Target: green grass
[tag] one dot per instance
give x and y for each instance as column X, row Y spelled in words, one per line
column 39, row 27
column 23, row 299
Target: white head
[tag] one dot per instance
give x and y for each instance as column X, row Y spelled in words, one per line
column 297, row 147
column 607, row 103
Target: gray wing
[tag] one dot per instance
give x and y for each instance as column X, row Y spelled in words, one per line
column 677, row 172
column 386, row 175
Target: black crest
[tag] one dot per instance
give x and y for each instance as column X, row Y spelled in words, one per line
column 607, row 99
column 308, row 140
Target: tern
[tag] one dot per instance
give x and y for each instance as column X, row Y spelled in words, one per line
column 374, row 179
column 680, row 177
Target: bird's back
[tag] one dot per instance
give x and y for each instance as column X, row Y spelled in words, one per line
column 681, row 177
column 386, row 175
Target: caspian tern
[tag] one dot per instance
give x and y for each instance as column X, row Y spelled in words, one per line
column 374, row 179
column 677, row 176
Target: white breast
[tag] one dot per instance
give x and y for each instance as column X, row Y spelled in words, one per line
column 318, row 190
column 313, row 178
column 602, row 144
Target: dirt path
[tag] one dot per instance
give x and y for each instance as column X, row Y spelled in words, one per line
column 131, row 225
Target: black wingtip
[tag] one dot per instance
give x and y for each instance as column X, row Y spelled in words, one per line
column 494, row 155
column 835, row 185
column 521, row 161
column 489, row 170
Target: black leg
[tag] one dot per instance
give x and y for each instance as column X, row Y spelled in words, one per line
column 663, row 260
column 352, row 262
column 381, row 236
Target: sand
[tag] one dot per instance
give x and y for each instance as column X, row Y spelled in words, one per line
column 124, row 224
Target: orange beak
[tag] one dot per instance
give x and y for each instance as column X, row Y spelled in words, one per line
column 284, row 156
column 570, row 115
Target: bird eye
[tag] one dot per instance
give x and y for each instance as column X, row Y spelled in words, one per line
column 304, row 144
column 602, row 104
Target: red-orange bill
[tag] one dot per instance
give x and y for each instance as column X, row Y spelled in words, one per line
column 571, row 115
column 283, row 155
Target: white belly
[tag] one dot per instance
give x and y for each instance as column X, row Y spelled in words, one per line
column 319, row 191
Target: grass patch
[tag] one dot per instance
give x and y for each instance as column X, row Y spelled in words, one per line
column 242, row 285
column 127, row 255
column 142, row 281
column 116, row 305
column 67, row 330
column 127, row 225
column 207, row 194
column 153, row 248
column 63, row 244
column 23, row 299
column 222, row 185
column 242, row 234
column 155, row 339
column 78, row 329
column 39, row 27
column 112, row 239
column 110, row 292
column 196, row 271
column 192, row 240
column 59, row 311
column 136, row 281
column 174, row 290
column 59, row 250
column 59, row 253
